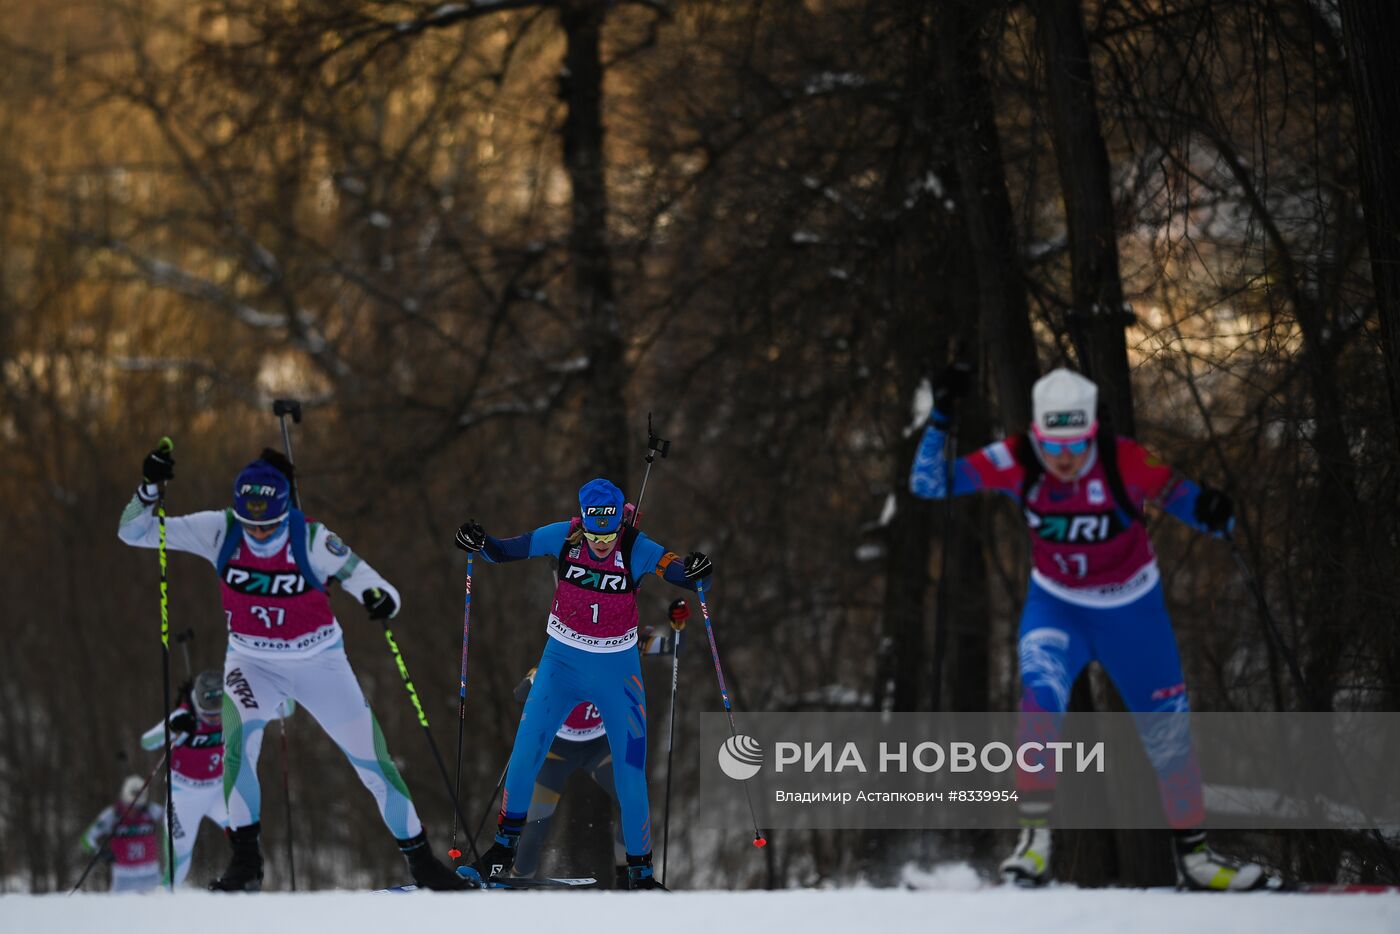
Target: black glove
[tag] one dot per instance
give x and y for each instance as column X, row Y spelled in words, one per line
column 279, row 460
column 380, row 603
column 1215, row 509
column 471, row 536
column 159, row 465
column 183, row 721
column 698, row 566
column 678, row 612
column 950, row 385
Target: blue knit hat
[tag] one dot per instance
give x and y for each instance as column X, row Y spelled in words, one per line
column 600, row 503
column 262, row 494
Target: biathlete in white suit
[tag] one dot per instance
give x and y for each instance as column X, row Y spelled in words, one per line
column 590, row 656
column 196, row 762
column 275, row 569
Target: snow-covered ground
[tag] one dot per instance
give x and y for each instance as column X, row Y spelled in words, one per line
column 1052, row 911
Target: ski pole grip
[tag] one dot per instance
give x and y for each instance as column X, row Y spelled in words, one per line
column 290, row 407
column 655, row 445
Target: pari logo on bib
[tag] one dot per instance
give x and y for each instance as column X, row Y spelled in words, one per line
column 600, row 504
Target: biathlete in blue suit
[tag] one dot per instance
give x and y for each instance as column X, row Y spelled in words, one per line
column 590, row 656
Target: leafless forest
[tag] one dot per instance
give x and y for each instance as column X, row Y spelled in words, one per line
column 483, row 240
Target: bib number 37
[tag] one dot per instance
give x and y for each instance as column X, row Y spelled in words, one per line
column 269, row 615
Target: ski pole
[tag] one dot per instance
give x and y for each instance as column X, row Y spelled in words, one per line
column 281, row 408
column 486, row 812
column 428, row 733
column 940, row 612
column 453, row 852
column 758, row 838
column 168, row 447
column 121, row 819
column 679, row 613
column 655, row 446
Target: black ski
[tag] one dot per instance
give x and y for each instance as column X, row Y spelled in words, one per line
column 506, row 885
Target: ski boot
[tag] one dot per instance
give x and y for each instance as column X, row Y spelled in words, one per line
column 640, row 877
column 245, row 866
column 1201, row 868
column 428, row 872
column 498, row 861
column 1029, row 864
column 620, row 881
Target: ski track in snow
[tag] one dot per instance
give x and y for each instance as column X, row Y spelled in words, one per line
column 1051, row 911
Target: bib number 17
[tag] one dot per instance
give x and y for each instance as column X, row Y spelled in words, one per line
column 1073, row 565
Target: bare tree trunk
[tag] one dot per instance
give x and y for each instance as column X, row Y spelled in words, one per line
column 1369, row 29
column 1097, row 320
column 1085, row 182
column 604, row 407
column 900, row 665
column 986, row 212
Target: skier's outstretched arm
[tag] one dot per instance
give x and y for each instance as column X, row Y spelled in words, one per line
column 199, row 533
column 332, row 560
column 544, row 542
column 99, row 829
column 1201, row 507
column 182, row 726
column 649, row 557
column 928, row 478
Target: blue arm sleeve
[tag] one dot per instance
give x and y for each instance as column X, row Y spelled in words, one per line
column 675, row 574
column 1180, row 502
column 647, row 554
column 928, row 478
column 544, row 541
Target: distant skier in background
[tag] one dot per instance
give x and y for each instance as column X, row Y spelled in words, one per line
column 275, row 569
column 581, row 744
column 1095, row 594
column 590, row 656
column 134, row 849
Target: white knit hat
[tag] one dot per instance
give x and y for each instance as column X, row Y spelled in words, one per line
column 1065, row 405
column 132, row 787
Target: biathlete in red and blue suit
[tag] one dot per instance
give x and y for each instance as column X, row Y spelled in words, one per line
column 590, row 656
column 1095, row 594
